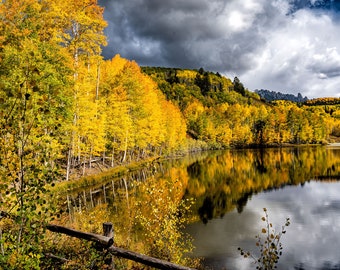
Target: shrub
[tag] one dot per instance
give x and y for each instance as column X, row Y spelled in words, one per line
column 270, row 246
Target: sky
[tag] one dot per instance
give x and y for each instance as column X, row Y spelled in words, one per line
column 288, row 46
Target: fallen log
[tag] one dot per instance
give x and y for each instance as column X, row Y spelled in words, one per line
column 107, row 242
column 146, row 260
column 100, row 239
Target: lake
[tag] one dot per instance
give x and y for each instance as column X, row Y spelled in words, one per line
column 304, row 187
column 230, row 189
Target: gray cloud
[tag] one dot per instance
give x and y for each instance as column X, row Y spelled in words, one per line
column 190, row 34
column 282, row 45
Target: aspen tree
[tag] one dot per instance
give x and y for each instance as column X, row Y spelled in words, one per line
column 118, row 126
column 34, row 75
column 82, row 33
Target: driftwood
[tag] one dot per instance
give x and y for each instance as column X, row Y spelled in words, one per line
column 100, row 239
column 106, row 241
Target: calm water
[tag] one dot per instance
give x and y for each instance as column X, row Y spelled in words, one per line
column 312, row 240
column 309, row 195
column 231, row 188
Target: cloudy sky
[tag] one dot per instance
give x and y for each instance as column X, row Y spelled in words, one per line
column 289, row 46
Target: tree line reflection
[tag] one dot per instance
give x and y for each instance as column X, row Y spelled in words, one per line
column 222, row 181
column 226, row 180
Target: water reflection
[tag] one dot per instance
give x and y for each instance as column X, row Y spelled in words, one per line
column 312, row 241
column 298, row 183
column 231, row 188
column 225, row 181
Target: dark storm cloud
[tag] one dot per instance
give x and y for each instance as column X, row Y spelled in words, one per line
column 278, row 45
column 191, row 34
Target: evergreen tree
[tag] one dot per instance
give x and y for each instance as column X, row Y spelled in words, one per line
column 238, row 86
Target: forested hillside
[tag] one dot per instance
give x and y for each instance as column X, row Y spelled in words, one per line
column 223, row 113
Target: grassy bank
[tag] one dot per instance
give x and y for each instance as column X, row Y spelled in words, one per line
column 95, row 176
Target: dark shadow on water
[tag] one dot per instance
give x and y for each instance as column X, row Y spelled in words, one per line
column 206, row 210
column 242, row 202
column 325, row 266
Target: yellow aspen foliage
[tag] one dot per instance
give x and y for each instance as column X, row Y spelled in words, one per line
column 34, row 110
column 80, row 30
column 223, row 134
column 175, row 126
column 118, row 126
column 139, row 119
column 239, row 121
column 156, row 117
column 88, row 130
column 132, row 87
column 194, row 115
column 83, row 26
column 111, row 68
column 194, row 110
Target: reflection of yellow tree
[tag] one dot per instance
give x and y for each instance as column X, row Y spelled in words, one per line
column 148, row 218
column 159, row 218
column 222, row 182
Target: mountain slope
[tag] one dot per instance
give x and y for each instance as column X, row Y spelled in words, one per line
column 222, row 113
column 272, row 95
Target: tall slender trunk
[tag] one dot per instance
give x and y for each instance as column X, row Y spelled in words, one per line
column 21, row 188
column 90, row 159
column 68, row 166
column 112, row 157
column 84, row 165
column 125, row 147
column 97, row 81
column 71, row 151
column 126, row 192
column 1, row 244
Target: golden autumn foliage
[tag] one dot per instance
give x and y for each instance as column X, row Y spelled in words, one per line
column 323, row 101
column 142, row 122
column 34, row 104
column 64, row 110
column 223, row 117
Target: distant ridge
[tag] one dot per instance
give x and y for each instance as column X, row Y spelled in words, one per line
column 272, row 95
